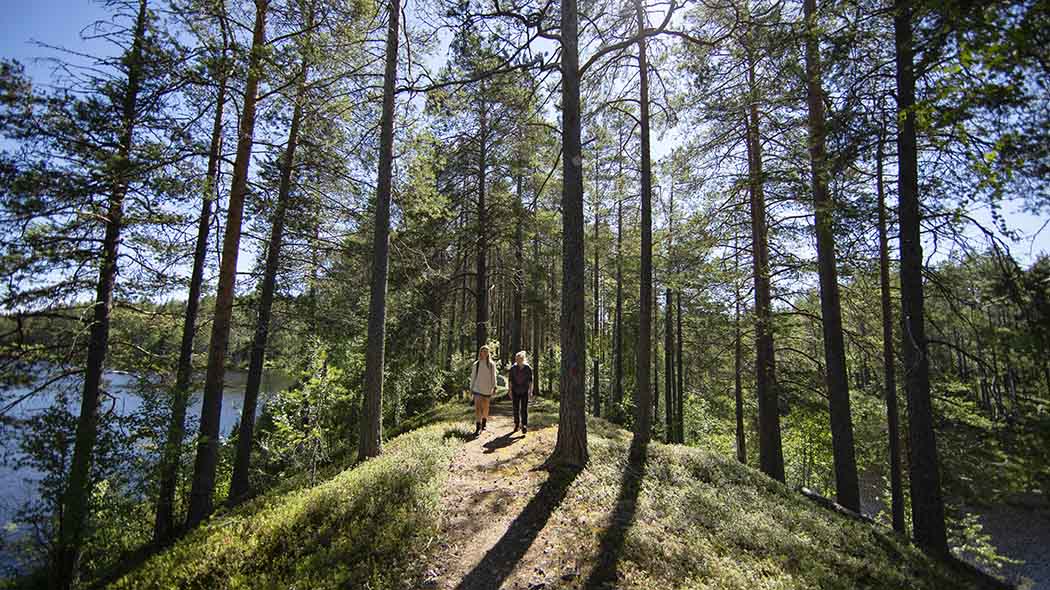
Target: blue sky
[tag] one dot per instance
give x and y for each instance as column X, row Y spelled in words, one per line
column 60, row 22
column 52, row 22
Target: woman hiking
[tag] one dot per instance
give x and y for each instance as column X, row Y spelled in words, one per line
column 520, row 383
column 483, row 386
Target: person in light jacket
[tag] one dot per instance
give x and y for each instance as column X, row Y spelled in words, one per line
column 483, row 386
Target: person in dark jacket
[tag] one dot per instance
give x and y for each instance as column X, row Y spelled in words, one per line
column 520, row 382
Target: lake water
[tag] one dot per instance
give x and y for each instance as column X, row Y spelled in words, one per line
column 17, row 485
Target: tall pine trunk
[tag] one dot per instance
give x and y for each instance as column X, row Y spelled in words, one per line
column 537, row 313
column 770, row 450
column 927, row 505
column 371, row 427
column 482, row 294
column 669, row 368
column 240, row 483
column 75, row 500
column 643, row 401
column 836, row 377
column 571, row 446
column 888, row 357
column 618, row 329
column 596, row 399
column 680, row 374
column 164, row 523
column 738, row 362
column 519, row 268
column 205, row 463
column 655, row 318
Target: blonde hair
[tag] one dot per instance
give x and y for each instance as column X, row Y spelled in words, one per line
column 520, row 354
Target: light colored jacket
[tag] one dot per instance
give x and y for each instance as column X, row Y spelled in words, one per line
column 483, row 378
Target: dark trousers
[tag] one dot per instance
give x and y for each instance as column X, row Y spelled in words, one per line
column 521, row 408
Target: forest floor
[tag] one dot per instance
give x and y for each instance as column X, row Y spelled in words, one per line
column 634, row 518
column 498, row 503
column 442, row 509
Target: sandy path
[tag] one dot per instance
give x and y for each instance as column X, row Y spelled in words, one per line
column 497, row 505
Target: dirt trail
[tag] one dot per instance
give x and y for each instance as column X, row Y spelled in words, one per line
column 497, row 506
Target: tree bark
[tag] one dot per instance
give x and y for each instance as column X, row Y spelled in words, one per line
column 371, row 428
column 75, row 500
column 655, row 318
column 482, row 294
column 203, row 487
column 643, row 401
column 926, row 501
column 618, row 333
column 669, row 404
column 738, row 361
column 519, row 269
column 164, row 524
column 770, row 450
column 836, row 376
column 596, row 399
column 888, row 357
column 680, row 374
column 537, row 315
column 240, row 484
column 571, row 445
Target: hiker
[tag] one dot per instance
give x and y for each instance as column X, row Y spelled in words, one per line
column 520, row 383
column 483, row 386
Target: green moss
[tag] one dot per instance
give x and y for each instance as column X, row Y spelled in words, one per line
column 690, row 518
column 671, row 517
column 361, row 529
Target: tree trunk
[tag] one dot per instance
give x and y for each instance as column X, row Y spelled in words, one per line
column 164, row 524
column 836, row 377
column 371, row 428
column 618, row 330
column 482, row 295
column 537, row 315
column 205, row 463
column 738, row 361
column 888, row 357
column 75, row 500
column 680, row 375
column 770, row 450
column 926, row 501
column 465, row 287
column 596, row 399
column 519, row 269
column 669, row 368
column 655, row 318
column 643, row 401
column 571, row 446
column 240, row 484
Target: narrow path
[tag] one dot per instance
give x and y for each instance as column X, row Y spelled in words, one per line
column 497, row 505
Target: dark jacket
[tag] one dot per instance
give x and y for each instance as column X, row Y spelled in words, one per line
column 520, row 378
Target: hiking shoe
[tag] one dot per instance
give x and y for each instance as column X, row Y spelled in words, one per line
column 515, row 429
column 483, row 423
column 524, row 430
column 477, row 428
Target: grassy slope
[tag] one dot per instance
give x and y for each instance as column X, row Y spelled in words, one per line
column 680, row 518
column 364, row 528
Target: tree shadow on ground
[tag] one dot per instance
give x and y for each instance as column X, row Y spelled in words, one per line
column 501, row 560
column 501, row 442
column 458, row 434
column 610, row 549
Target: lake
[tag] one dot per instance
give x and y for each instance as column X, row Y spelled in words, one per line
column 17, row 485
